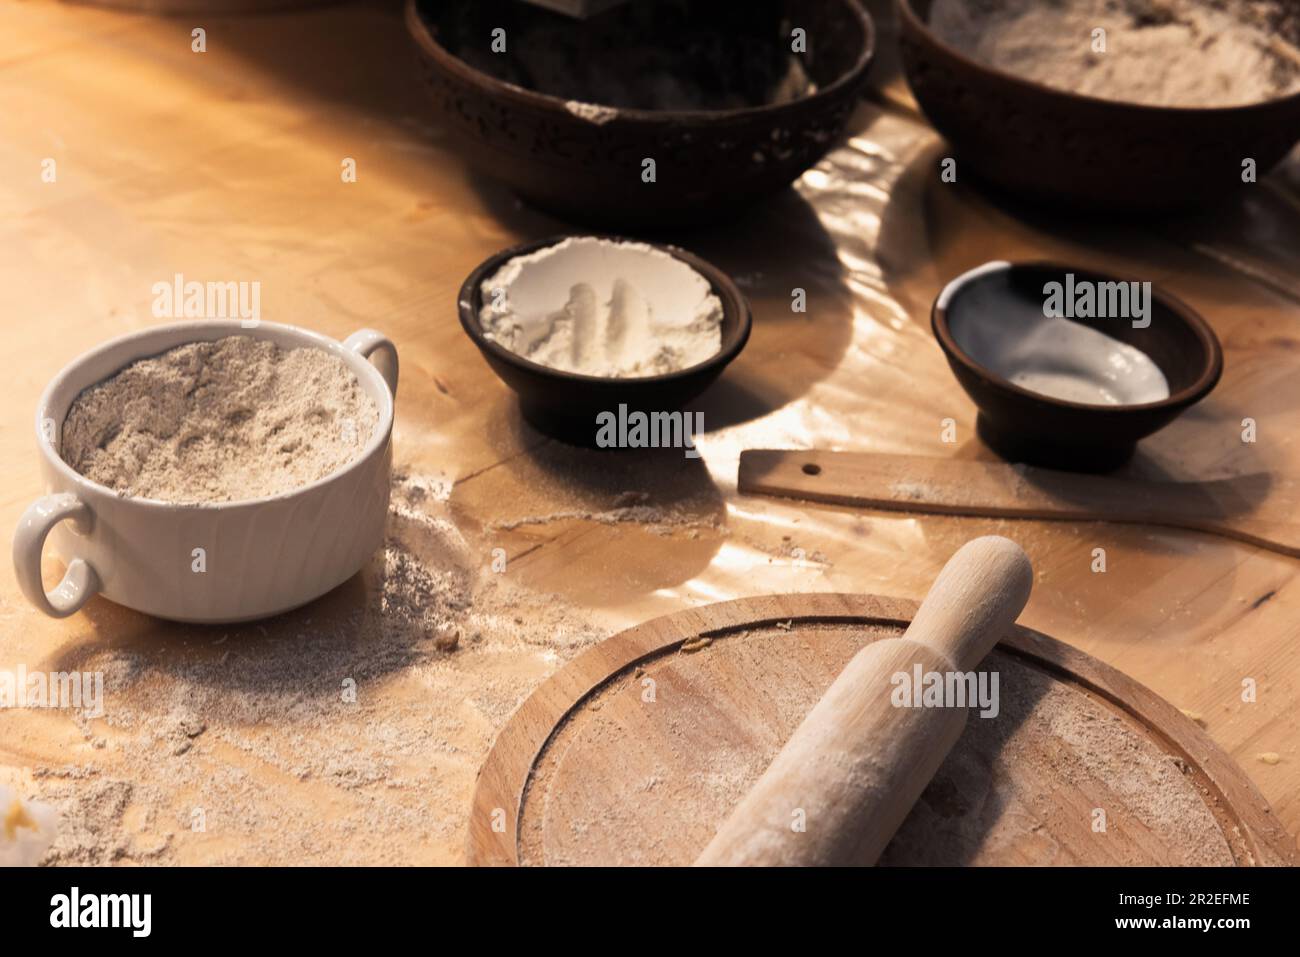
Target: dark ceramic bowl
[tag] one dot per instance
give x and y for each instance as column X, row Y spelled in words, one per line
column 1081, row 151
column 564, row 405
column 1026, row 426
column 709, row 163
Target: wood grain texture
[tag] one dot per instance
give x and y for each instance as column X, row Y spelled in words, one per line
column 563, row 782
column 1259, row 509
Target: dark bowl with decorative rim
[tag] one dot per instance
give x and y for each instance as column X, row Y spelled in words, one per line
column 584, row 162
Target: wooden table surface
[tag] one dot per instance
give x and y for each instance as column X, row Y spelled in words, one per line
column 225, row 165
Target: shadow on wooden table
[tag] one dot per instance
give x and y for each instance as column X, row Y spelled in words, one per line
column 661, row 515
column 785, row 261
column 360, row 632
column 946, row 228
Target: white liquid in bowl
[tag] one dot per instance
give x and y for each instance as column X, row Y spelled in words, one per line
column 1003, row 328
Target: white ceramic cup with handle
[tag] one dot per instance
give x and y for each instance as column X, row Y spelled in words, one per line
column 207, row 562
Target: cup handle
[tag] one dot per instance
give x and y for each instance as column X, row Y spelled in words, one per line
column 80, row 581
column 366, row 342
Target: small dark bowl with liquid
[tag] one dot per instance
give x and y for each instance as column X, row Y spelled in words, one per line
column 1027, row 426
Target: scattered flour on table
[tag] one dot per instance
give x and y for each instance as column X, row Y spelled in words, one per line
column 1188, row 53
column 628, row 507
column 220, row 421
column 591, row 112
column 215, row 739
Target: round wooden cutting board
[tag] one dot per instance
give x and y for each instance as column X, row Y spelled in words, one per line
column 637, row 750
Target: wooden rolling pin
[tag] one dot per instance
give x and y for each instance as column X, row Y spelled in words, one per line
column 852, row 771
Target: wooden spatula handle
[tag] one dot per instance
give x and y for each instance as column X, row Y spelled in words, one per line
column 1259, row 508
column 848, row 776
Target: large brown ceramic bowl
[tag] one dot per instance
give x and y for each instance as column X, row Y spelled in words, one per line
column 708, row 163
column 1081, row 151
